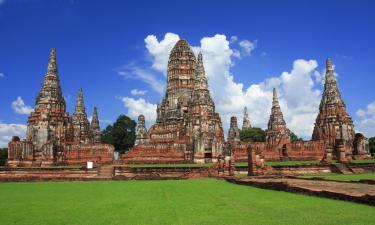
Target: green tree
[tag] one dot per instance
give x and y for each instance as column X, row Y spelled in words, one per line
column 371, row 142
column 294, row 137
column 120, row 134
column 3, row 156
column 254, row 134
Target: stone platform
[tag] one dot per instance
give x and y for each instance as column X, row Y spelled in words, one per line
column 342, row 190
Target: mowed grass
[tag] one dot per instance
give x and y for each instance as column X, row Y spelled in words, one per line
column 344, row 177
column 200, row 201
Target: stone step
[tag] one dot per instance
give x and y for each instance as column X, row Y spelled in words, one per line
column 343, row 168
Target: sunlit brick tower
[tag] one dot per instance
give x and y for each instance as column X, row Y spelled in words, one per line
column 81, row 125
column 49, row 125
column 95, row 127
column 204, row 126
column 277, row 132
column 334, row 125
column 51, row 137
column 187, row 128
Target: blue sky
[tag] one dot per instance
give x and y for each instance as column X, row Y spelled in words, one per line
column 102, row 47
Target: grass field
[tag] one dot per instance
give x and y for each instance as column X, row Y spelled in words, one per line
column 203, row 201
column 350, row 177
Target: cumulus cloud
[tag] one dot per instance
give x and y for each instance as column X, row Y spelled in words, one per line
column 366, row 120
column 134, row 72
column 158, row 50
column 140, row 106
column 138, row 92
column 19, row 106
column 247, row 46
column 298, row 90
column 9, row 130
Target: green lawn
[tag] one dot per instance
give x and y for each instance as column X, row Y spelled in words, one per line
column 203, row 201
column 283, row 163
column 167, row 165
column 350, row 177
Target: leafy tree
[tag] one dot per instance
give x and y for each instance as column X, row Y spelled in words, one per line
column 120, row 134
column 254, row 134
column 294, row 137
column 371, row 142
column 3, row 156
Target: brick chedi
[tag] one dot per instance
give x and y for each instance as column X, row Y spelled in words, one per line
column 81, row 125
column 277, row 133
column 141, row 136
column 333, row 124
column 246, row 121
column 95, row 127
column 53, row 136
column 187, row 128
column 204, row 124
column 233, row 132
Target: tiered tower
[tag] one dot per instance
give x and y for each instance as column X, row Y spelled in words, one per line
column 187, row 127
column 246, row 121
column 333, row 124
column 233, row 132
column 95, row 127
column 180, row 83
column 81, row 125
column 49, row 123
column 277, row 132
column 54, row 137
column 204, row 124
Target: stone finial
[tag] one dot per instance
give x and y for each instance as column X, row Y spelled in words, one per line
column 246, row 121
column 233, row 132
column 329, row 66
column 52, row 65
column 95, row 127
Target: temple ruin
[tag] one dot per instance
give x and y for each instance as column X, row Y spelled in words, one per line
column 187, row 128
column 55, row 137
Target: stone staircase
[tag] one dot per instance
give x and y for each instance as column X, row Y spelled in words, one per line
column 343, row 168
column 106, row 171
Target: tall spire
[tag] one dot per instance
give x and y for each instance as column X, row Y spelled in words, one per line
column 52, row 65
column 246, row 121
column 200, row 75
column 50, row 92
column 80, row 105
column 81, row 124
column 276, row 124
column 331, row 94
column 332, row 122
column 95, row 127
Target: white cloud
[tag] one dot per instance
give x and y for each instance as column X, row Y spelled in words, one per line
column 140, row 106
column 138, row 92
column 133, row 72
column 19, row 106
column 2, row 75
column 158, row 50
column 247, row 46
column 299, row 96
column 9, row 130
column 366, row 120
